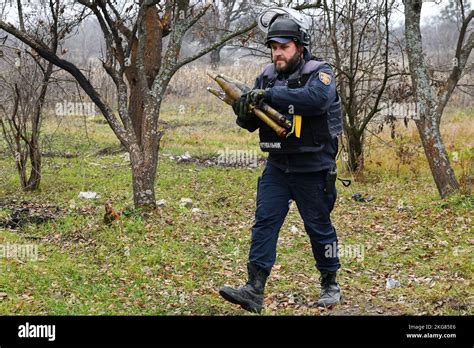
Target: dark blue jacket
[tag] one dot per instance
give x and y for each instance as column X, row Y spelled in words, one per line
column 314, row 98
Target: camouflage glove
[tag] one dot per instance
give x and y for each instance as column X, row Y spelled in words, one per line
column 242, row 107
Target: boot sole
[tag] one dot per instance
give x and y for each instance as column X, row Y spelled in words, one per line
column 246, row 304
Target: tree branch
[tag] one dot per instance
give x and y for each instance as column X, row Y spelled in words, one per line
column 375, row 107
column 125, row 137
column 216, row 45
column 461, row 56
column 235, row 34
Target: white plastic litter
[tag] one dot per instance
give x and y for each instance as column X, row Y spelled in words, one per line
column 392, row 283
column 89, row 195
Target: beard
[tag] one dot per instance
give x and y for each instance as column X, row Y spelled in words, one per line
column 290, row 64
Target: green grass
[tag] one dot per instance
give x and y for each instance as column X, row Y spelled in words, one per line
column 174, row 261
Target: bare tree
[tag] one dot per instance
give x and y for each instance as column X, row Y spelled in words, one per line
column 140, row 67
column 25, row 90
column 217, row 22
column 20, row 114
column 431, row 101
column 358, row 37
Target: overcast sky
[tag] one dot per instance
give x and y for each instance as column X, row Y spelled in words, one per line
column 431, row 8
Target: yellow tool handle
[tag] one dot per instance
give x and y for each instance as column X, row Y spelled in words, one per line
column 297, row 120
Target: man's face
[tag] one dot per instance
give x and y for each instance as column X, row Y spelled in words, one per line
column 285, row 56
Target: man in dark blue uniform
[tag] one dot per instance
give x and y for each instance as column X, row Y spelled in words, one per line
column 300, row 167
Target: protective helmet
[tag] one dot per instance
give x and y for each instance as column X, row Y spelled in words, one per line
column 284, row 24
column 284, row 30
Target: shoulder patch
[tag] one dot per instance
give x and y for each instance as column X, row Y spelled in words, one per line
column 325, row 78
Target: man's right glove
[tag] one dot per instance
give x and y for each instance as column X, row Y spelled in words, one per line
column 256, row 96
column 242, row 107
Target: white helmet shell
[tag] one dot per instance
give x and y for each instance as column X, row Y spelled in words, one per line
column 267, row 16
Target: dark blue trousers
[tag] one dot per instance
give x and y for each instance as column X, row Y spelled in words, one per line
column 275, row 189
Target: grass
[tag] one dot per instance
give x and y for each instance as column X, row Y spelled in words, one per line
column 174, row 261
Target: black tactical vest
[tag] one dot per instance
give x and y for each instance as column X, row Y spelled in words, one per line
column 316, row 129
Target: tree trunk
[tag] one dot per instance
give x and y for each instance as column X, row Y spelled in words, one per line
column 143, row 189
column 428, row 123
column 144, row 157
column 356, row 152
column 35, row 159
column 216, row 57
column 21, row 168
column 152, row 60
column 437, row 157
column 136, row 109
column 34, row 149
column 143, row 179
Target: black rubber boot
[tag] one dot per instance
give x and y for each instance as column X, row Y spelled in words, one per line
column 249, row 296
column 330, row 291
